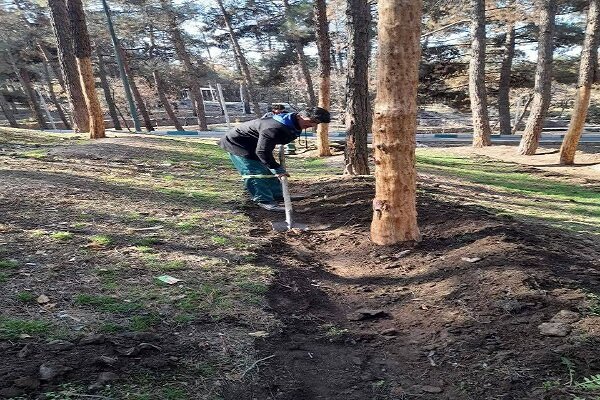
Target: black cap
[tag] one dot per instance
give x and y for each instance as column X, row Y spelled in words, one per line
column 318, row 115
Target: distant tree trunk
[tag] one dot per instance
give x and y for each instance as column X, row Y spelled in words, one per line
column 160, row 90
column 110, row 103
column 519, row 118
column 239, row 55
column 192, row 71
column 55, row 70
column 53, row 98
column 395, row 122
column 299, row 48
column 543, row 80
column 8, row 112
column 34, row 104
column 504, row 84
column 83, row 54
column 589, row 60
column 358, row 108
column 481, row 121
column 139, row 100
column 324, row 48
column 68, row 64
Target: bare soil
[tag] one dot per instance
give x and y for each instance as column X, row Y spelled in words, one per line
column 445, row 327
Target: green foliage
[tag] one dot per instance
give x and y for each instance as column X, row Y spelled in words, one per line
column 9, row 264
column 591, row 383
column 105, row 303
column 25, row 297
column 62, row 235
column 13, row 328
column 101, row 240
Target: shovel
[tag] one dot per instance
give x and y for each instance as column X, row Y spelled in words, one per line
column 283, row 226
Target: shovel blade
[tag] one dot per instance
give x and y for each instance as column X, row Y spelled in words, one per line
column 282, row 226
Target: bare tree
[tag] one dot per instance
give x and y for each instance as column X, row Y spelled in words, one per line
column 83, row 54
column 324, row 47
column 589, row 59
column 395, row 122
column 481, row 121
column 543, row 79
column 358, row 108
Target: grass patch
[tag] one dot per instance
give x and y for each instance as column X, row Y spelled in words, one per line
column 62, row 236
column 145, row 249
column 106, row 303
column 111, row 327
column 14, row 328
column 100, row 240
column 35, row 154
column 9, row 264
column 140, row 323
column 3, row 277
column 147, row 241
column 560, row 204
column 25, row 297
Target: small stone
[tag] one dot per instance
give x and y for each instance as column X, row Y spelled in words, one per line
column 60, row 345
column 43, row 299
column 566, row 317
column 389, row 332
column 259, row 334
column 364, row 314
column 93, row 339
column 431, row 389
column 27, row 382
column 402, row 253
column 25, row 351
column 471, row 259
column 106, row 360
column 49, row 371
column 554, row 329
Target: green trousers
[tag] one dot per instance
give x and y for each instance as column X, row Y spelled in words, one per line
column 259, row 181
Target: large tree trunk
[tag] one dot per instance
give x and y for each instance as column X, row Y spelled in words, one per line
column 8, row 112
column 68, row 64
column 53, row 98
column 481, row 121
column 110, row 103
column 194, row 72
column 141, row 106
column 239, row 55
column 83, row 54
column 34, row 104
column 543, row 79
column 395, row 122
column 324, row 47
column 504, row 84
column 299, row 49
column 589, row 59
column 160, row 90
column 358, row 109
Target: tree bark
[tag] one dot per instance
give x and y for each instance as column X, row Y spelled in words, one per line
column 160, row 90
column 110, row 103
column 141, row 106
column 504, row 84
column 68, row 64
column 543, row 79
column 299, row 49
column 53, row 98
column 358, row 108
column 8, row 112
column 589, row 57
column 239, row 55
column 395, row 122
column 83, row 54
column 481, row 121
column 324, row 48
column 194, row 72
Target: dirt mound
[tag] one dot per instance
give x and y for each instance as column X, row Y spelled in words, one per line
column 455, row 317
